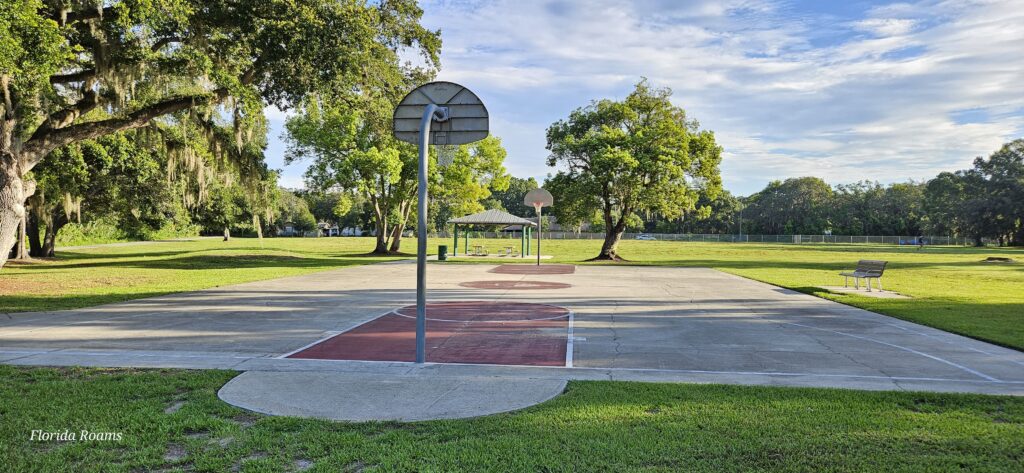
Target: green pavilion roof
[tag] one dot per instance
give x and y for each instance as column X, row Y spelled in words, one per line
column 492, row 217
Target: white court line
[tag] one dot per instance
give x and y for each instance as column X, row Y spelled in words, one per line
column 430, row 319
column 958, row 345
column 544, row 368
column 331, row 335
column 568, row 343
column 911, row 350
column 670, row 371
column 396, row 311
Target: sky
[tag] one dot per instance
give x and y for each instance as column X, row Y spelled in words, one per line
column 844, row 90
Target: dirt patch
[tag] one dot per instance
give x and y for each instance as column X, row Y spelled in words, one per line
column 251, row 457
column 197, row 435
column 997, row 259
column 175, row 453
column 11, row 285
column 354, row 467
column 303, row 464
column 244, row 420
column 174, row 407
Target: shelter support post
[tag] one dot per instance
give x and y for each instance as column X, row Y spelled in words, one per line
column 522, row 240
column 455, row 247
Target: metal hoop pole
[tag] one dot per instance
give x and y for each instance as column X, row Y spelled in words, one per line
column 540, row 231
column 421, row 236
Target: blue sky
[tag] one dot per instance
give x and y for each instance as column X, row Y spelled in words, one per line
column 844, row 90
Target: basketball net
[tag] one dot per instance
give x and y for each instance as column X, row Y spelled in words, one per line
column 446, row 154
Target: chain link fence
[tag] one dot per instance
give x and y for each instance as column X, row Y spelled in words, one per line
column 735, row 238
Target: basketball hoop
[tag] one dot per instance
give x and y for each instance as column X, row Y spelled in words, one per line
column 445, row 115
column 538, row 199
column 446, row 154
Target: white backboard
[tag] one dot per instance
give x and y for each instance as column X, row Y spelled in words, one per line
column 538, row 197
column 462, row 120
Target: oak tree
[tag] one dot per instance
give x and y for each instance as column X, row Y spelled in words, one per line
column 623, row 158
column 73, row 70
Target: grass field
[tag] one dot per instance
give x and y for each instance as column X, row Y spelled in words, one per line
column 951, row 288
column 171, row 420
column 111, row 273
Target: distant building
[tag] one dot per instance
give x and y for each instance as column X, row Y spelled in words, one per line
column 288, row 229
column 328, row 229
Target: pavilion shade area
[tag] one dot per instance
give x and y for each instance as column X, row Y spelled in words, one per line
column 491, row 217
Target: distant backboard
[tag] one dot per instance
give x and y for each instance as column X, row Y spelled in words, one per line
column 461, row 118
column 538, row 198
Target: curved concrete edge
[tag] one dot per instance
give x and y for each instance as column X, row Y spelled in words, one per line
column 363, row 397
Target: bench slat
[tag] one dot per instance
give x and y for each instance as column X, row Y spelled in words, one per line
column 867, row 268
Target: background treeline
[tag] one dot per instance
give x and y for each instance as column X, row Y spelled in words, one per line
column 118, row 188
column 984, row 202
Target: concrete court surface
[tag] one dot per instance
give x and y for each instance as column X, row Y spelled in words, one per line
column 630, row 323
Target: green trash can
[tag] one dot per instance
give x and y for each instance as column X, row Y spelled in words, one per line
column 442, row 252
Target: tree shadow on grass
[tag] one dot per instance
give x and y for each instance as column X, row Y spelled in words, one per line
column 49, row 302
column 214, row 262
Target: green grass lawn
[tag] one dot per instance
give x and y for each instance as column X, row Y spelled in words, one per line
column 112, row 273
column 171, row 420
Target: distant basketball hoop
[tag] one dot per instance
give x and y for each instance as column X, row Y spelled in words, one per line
column 538, row 199
column 443, row 114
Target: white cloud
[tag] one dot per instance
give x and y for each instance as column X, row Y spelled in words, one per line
column 885, row 26
column 788, row 92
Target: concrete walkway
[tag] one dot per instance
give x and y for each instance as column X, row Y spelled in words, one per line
column 630, row 323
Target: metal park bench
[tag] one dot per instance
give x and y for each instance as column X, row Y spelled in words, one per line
column 867, row 269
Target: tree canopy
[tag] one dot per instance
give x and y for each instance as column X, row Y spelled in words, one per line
column 623, row 158
column 350, row 147
column 75, row 71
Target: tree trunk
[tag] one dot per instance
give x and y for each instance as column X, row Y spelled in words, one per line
column 55, row 221
column 20, row 251
column 12, row 203
column 35, row 247
column 50, row 237
column 396, row 238
column 612, row 234
column 609, row 248
column 382, row 240
column 227, row 233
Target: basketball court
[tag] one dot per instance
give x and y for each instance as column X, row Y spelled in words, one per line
column 505, row 337
column 498, row 333
column 645, row 322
